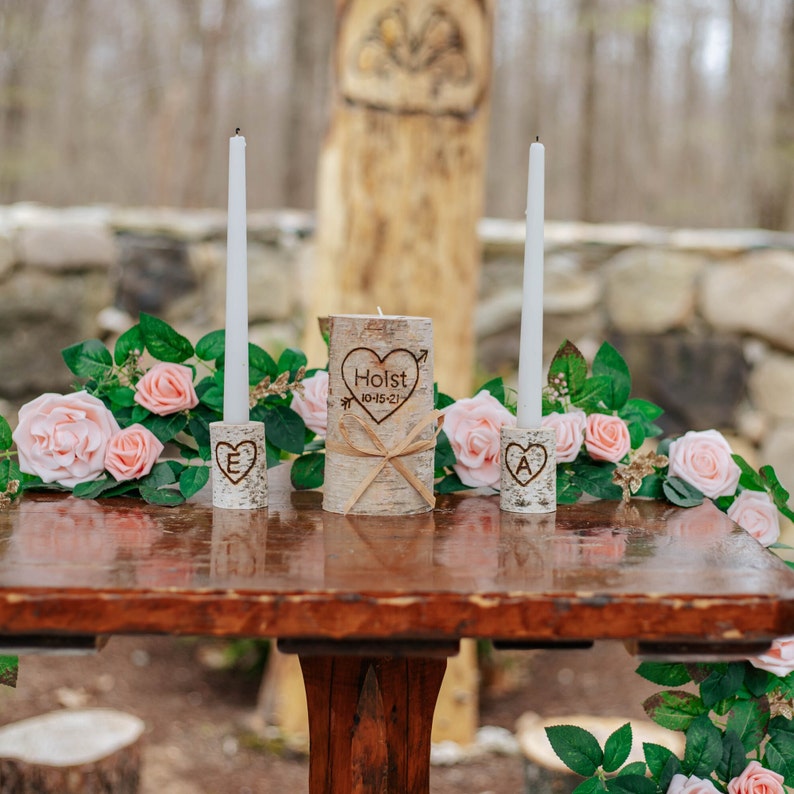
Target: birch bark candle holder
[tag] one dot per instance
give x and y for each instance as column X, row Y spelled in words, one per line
column 380, row 444
column 528, row 470
column 239, row 465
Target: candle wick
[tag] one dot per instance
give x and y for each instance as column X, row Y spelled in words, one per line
column 380, row 311
column 236, row 130
column 537, row 138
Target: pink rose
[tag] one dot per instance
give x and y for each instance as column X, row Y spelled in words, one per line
column 757, row 779
column 779, row 659
column 166, row 389
column 755, row 512
column 607, row 437
column 703, row 459
column 132, row 452
column 473, row 426
column 569, row 428
column 312, row 405
column 681, row 784
column 63, row 438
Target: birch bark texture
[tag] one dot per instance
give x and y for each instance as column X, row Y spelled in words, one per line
column 380, row 444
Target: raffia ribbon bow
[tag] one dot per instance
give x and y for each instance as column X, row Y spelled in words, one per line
column 408, row 446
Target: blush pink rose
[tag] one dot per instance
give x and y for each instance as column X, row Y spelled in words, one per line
column 757, row 779
column 312, row 405
column 755, row 512
column 703, row 459
column 166, row 389
column 681, row 784
column 779, row 659
column 63, row 438
column 473, row 427
column 607, row 437
column 569, row 428
column 132, row 452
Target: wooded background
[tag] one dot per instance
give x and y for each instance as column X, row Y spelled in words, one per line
column 673, row 112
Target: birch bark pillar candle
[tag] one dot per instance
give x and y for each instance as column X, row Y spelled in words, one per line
column 528, row 451
column 239, row 461
column 380, row 444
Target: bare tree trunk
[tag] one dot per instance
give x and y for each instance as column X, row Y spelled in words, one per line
column 210, row 41
column 311, row 35
column 776, row 192
column 587, row 15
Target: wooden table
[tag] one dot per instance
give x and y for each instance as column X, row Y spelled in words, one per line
column 373, row 606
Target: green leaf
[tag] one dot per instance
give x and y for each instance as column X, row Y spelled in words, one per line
column 261, row 365
column 167, row 497
column 441, row 400
column 163, row 342
column 749, row 477
column 9, row 667
column 199, row 428
column 130, row 343
column 610, row 364
column 779, row 753
column 122, row 396
column 656, row 757
column 780, row 496
column 212, row 398
column 617, row 748
column 89, row 359
column 596, row 480
column 722, row 683
column 671, row 768
column 595, row 394
column 165, row 427
column 681, row 493
column 161, row 474
column 632, row 784
column 285, row 429
column 634, row 768
column 445, row 455
column 495, row 387
column 193, row 479
column 308, row 471
column 577, row 748
column 570, row 365
column 211, row 346
column 674, row 709
column 94, row 488
column 592, row 785
column 450, row 484
column 664, row 673
column 734, row 757
column 567, row 491
column 703, row 747
column 646, row 409
column 756, row 680
column 6, row 439
column 291, row 360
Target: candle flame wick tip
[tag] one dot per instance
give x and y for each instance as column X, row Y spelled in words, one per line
column 236, row 130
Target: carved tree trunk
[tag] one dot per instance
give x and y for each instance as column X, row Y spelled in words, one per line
column 401, row 172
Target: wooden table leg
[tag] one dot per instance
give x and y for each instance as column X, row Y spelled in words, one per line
column 369, row 723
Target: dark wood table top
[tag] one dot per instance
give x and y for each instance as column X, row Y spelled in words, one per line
column 644, row 571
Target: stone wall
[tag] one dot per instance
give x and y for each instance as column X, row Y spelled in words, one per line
column 705, row 318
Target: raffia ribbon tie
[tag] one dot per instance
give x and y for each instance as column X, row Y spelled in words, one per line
column 408, row 446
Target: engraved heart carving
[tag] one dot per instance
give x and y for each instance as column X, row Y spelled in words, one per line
column 381, row 385
column 235, row 462
column 525, row 463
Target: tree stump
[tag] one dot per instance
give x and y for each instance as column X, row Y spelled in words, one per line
column 544, row 770
column 89, row 751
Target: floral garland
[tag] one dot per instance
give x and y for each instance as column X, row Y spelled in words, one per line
column 109, row 436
